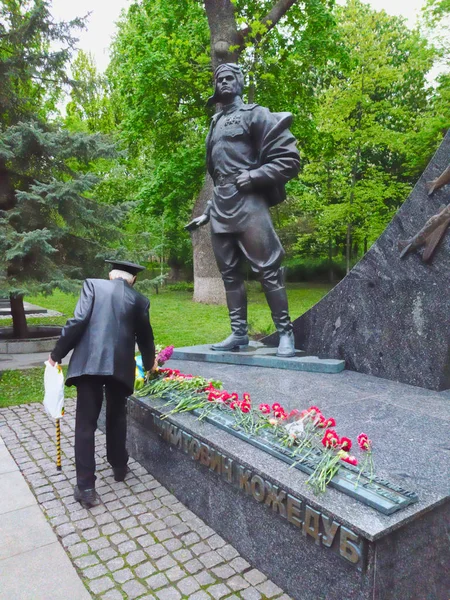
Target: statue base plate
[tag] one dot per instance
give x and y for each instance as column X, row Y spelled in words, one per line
column 257, row 354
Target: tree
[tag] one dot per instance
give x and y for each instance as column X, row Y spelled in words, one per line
column 161, row 77
column 368, row 121
column 90, row 107
column 51, row 229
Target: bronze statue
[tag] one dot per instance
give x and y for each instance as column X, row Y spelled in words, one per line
column 433, row 230
column 251, row 155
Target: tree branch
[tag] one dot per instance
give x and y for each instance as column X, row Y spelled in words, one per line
column 272, row 18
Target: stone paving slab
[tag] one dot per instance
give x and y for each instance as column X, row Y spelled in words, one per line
column 33, row 565
column 22, row 577
column 140, row 542
column 17, row 494
column 34, row 531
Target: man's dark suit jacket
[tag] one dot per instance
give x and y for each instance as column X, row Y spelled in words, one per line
column 109, row 319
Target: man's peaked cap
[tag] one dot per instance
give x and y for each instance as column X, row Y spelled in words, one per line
column 126, row 266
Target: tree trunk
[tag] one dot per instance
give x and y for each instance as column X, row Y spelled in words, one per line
column 20, row 327
column 348, row 243
column 208, row 286
column 330, row 261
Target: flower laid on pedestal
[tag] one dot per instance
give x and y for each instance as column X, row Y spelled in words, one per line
column 308, row 435
column 367, row 464
column 162, row 356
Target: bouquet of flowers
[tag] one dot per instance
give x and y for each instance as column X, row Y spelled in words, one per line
column 162, row 356
column 304, row 433
column 336, row 450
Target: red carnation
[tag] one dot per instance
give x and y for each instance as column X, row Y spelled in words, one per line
column 351, row 460
column 330, row 439
column 280, row 413
column 363, row 442
column 246, row 397
column 264, row 408
column 234, row 404
column 276, row 406
column 245, row 407
column 314, row 410
column 321, row 421
column 346, row 443
column 294, row 413
column 330, row 422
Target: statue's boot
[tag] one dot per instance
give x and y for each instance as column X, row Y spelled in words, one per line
column 237, row 309
column 277, row 301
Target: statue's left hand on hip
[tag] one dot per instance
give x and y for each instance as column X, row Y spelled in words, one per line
column 243, row 181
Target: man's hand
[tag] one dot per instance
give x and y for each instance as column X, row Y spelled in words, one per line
column 243, row 181
column 197, row 222
column 51, row 361
column 153, row 370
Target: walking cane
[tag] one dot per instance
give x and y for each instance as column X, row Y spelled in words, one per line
column 58, row 442
column 58, row 445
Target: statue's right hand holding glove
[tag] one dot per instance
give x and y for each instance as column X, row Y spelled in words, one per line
column 201, row 220
column 197, row 222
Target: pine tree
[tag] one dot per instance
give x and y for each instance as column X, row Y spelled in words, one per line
column 51, row 229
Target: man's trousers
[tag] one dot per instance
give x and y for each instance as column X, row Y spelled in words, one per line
column 90, row 389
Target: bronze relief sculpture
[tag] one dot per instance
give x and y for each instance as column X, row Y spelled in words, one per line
column 434, row 229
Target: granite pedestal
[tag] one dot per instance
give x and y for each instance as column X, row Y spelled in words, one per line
column 330, row 547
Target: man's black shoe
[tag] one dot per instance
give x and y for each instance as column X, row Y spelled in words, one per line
column 120, row 472
column 87, row 498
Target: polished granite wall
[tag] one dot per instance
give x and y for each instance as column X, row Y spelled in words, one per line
column 390, row 316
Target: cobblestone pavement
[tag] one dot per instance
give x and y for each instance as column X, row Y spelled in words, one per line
column 141, row 542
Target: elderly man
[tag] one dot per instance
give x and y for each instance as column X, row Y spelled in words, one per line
column 109, row 319
column 251, row 154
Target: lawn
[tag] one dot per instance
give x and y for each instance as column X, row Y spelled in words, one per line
column 22, row 387
column 176, row 320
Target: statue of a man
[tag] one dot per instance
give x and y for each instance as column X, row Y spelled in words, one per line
column 251, row 155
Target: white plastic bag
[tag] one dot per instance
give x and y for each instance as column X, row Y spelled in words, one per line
column 54, row 390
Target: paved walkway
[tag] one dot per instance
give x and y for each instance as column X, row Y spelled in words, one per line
column 31, row 558
column 26, row 361
column 23, row 361
column 139, row 543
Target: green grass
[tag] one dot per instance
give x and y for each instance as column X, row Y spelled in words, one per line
column 23, row 387
column 176, row 320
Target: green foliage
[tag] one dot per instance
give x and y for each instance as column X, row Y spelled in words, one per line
column 23, row 387
column 161, row 77
column 51, row 229
column 32, row 66
column 90, row 108
column 368, row 120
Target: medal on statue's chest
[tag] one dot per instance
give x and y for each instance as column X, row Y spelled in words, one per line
column 232, row 120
